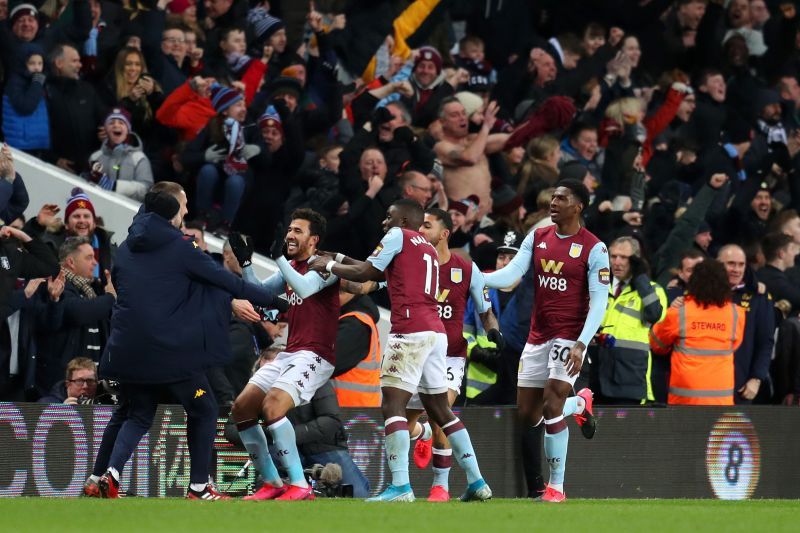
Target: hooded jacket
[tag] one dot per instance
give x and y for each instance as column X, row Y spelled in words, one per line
column 171, row 317
column 26, row 125
column 127, row 165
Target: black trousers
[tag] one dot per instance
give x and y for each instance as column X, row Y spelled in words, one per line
column 135, row 415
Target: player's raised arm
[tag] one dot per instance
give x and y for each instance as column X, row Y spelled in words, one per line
column 243, row 251
column 512, row 272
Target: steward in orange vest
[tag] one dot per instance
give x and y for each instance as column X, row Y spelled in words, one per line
column 703, row 333
column 357, row 340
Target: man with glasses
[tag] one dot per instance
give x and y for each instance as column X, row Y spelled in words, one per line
column 416, row 186
column 79, row 386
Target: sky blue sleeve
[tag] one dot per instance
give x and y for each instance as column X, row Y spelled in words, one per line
column 480, row 296
column 390, row 246
column 273, row 283
column 512, row 272
column 599, row 279
column 304, row 285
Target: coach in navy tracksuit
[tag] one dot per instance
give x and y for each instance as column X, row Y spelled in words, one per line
column 169, row 325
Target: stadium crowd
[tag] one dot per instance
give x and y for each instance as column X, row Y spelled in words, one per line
column 681, row 117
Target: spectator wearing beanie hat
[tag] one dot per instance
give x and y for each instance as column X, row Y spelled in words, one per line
column 219, row 155
column 268, row 31
column 430, row 87
column 121, row 165
column 80, row 220
column 271, row 129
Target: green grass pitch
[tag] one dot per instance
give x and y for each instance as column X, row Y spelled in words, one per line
column 575, row 516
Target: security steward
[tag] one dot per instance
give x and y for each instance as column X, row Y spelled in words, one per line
column 635, row 302
column 702, row 333
column 356, row 378
column 169, row 324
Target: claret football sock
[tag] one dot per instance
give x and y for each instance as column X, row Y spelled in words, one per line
column 255, row 442
column 397, row 445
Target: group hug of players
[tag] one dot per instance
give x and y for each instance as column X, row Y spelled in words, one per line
column 423, row 362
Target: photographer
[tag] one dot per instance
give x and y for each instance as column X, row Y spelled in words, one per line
column 80, row 387
column 321, row 438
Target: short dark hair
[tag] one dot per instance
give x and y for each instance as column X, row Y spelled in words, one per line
column 691, row 253
column 442, row 216
column 703, row 75
column 317, row 224
column 446, row 101
column 327, row 148
column 195, row 224
column 709, row 285
column 411, row 210
column 227, row 31
column 70, row 246
column 579, row 126
column 773, row 243
column 578, row 190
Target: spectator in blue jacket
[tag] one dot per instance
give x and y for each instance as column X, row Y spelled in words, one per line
column 170, row 324
column 26, row 125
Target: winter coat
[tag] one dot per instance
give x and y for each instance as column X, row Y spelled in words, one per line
column 171, row 317
column 22, row 260
column 128, row 166
column 75, row 114
column 186, row 111
column 26, row 125
column 14, row 199
column 66, row 335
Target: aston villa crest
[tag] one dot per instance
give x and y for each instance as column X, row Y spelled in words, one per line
column 575, row 250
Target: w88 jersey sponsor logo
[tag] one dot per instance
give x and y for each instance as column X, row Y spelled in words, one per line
column 554, row 283
column 294, row 299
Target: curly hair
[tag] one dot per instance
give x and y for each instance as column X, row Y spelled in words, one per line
column 709, row 285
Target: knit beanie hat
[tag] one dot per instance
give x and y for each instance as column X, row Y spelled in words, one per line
column 162, row 204
column 264, row 25
column 471, row 102
column 223, row 97
column 20, row 11
column 270, row 118
column 78, row 200
column 429, row 53
column 179, row 6
column 119, row 113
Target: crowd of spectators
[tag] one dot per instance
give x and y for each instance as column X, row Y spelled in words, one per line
column 681, row 117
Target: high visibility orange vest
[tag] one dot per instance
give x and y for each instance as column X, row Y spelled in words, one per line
column 702, row 343
column 361, row 385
